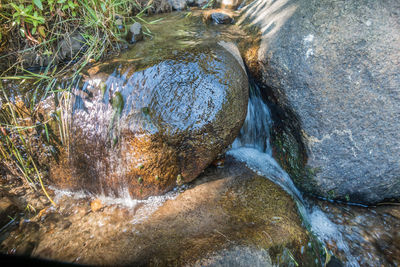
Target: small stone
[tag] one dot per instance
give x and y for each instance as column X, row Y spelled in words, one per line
column 221, row 18
column 96, row 205
column 231, row 4
column 177, row 4
column 135, row 33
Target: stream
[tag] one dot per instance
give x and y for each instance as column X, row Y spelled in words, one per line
column 215, row 220
column 253, row 147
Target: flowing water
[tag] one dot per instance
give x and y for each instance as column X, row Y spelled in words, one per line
column 252, row 146
column 253, row 143
column 359, row 236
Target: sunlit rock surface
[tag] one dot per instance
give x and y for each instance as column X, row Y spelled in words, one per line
column 229, row 216
column 148, row 127
column 334, row 67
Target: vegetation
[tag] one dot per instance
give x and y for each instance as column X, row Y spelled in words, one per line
column 37, row 28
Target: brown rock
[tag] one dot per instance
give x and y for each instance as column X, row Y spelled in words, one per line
column 230, row 217
column 172, row 118
column 96, row 205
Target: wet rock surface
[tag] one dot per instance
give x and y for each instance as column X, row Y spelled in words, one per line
column 135, row 33
column 229, row 215
column 367, row 236
column 221, row 18
column 335, row 66
column 147, row 129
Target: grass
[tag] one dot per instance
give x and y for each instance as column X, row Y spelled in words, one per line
column 29, row 138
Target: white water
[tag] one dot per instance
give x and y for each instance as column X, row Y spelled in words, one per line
column 147, row 206
column 252, row 146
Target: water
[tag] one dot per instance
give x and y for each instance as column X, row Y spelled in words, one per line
column 253, row 147
column 253, row 143
column 255, row 130
column 143, row 208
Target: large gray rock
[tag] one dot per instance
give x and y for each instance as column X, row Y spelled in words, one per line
column 335, row 64
column 146, row 129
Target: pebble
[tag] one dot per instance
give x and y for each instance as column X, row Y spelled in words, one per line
column 96, row 205
column 221, row 18
column 135, row 33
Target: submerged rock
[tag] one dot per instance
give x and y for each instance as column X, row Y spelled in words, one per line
column 148, row 130
column 221, row 18
column 218, row 16
column 337, row 78
column 229, row 217
column 364, row 236
column 135, row 33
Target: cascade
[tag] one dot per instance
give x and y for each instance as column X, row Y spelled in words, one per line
column 252, row 146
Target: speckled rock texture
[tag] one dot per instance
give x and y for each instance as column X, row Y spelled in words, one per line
column 336, row 66
column 144, row 130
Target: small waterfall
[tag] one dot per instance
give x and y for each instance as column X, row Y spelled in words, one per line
column 252, row 147
column 255, row 130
